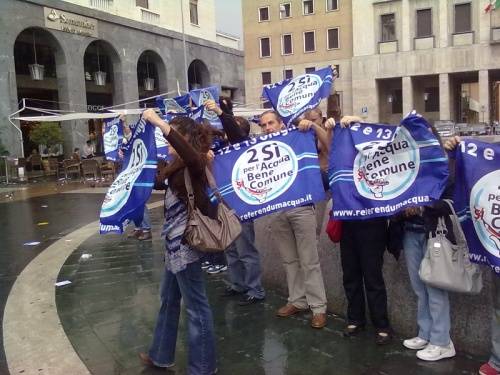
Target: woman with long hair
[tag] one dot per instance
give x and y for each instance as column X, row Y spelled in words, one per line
column 189, row 144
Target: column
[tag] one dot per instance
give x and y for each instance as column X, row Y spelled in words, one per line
column 444, row 27
column 126, row 87
column 484, row 96
column 406, row 39
column 408, row 104
column 444, row 97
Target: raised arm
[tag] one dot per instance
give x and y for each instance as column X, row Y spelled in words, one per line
column 234, row 133
column 305, row 125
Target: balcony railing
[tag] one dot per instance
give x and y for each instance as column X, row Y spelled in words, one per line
column 388, row 47
column 150, row 17
column 495, row 35
column 463, row 39
column 101, row 4
column 424, row 42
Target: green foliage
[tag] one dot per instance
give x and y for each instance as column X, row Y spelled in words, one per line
column 47, row 133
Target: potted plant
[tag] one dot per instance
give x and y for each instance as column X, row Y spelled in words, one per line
column 48, row 134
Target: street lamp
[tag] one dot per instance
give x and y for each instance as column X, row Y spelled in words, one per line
column 37, row 71
column 99, row 76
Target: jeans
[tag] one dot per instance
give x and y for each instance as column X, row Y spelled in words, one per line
column 145, row 224
column 294, row 235
column 190, row 286
column 433, row 307
column 362, row 256
column 495, row 325
column 243, row 261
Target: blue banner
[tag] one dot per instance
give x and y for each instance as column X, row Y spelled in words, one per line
column 179, row 104
column 112, row 138
column 199, row 97
column 269, row 173
column 294, row 96
column 130, row 191
column 161, row 145
column 477, row 199
column 378, row 170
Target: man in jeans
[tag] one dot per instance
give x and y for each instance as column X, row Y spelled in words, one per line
column 243, row 258
column 294, row 234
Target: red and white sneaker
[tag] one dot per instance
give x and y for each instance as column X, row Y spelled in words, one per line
column 487, row 369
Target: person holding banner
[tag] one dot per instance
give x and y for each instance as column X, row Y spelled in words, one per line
column 297, row 243
column 492, row 367
column 362, row 248
column 433, row 341
column 243, row 258
column 189, row 144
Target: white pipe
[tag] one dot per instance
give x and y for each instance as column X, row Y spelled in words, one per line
column 17, row 128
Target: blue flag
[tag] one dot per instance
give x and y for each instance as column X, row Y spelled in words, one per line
column 477, row 199
column 199, row 96
column 379, row 170
column 269, row 173
column 112, row 138
column 294, row 96
column 161, row 145
column 131, row 189
column 178, row 104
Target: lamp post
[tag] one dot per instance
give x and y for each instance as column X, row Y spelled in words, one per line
column 99, row 76
column 184, row 47
column 149, row 82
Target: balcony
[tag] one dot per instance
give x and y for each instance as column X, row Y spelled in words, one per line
column 423, row 42
column 150, row 17
column 388, row 47
column 463, row 39
column 101, row 4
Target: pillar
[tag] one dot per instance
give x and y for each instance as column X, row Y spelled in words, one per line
column 484, row 96
column 407, row 88
column 444, row 97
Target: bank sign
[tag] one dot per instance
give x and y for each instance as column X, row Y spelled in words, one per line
column 69, row 22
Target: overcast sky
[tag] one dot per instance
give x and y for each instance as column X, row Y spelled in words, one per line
column 228, row 17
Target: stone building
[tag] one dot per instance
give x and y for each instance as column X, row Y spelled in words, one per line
column 99, row 53
column 288, row 38
column 440, row 57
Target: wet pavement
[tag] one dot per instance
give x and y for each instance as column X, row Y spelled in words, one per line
column 109, row 312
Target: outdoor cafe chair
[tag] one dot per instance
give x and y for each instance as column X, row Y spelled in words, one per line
column 71, row 167
column 90, row 167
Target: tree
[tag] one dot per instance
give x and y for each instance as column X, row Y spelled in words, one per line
column 47, row 133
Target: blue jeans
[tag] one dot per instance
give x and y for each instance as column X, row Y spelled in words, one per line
column 243, row 262
column 190, row 286
column 145, row 224
column 495, row 325
column 433, row 306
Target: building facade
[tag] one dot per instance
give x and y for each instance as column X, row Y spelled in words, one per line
column 440, row 57
column 99, row 53
column 288, row 38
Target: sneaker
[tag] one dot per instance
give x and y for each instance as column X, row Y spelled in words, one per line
column 230, row 292
column 415, row 343
column 135, row 234
column 383, row 337
column 435, row 353
column 216, row 268
column 147, row 361
column 249, row 300
column 205, row 265
column 353, row 329
column 487, row 369
column 145, row 236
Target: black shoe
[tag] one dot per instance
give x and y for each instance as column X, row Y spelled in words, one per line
column 353, row 329
column 230, row 292
column 249, row 300
column 383, row 337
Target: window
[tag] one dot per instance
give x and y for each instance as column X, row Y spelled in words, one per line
column 193, row 11
column 287, row 74
column 309, row 41
column 265, row 47
column 286, row 44
column 333, row 38
column 332, row 5
column 397, row 101
column 424, row 23
column 266, row 78
column 310, row 69
column 263, row 14
column 308, row 6
column 431, row 98
column 285, row 10
column 388, row 27
column 463, row 18
column 337, row 69
column 142, row 3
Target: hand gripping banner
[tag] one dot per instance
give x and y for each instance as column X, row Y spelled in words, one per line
column 292, row 97
column 199, row 97
column 378, row 170
column 269, row 173
column 112, row 137
column 130, row 191
column 477, row 199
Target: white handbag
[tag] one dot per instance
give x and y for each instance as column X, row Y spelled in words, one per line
column 447, row 266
